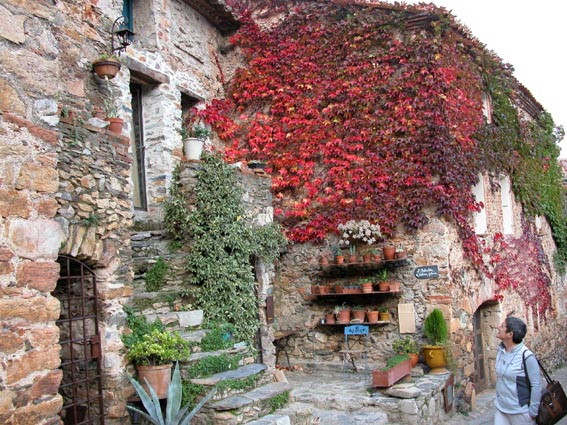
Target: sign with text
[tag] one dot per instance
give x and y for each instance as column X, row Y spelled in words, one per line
column 426, row 272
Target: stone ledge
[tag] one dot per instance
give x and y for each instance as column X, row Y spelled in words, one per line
column 240, row 373
column 259, row 394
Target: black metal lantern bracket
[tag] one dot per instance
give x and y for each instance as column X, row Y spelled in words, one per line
column 123, row 35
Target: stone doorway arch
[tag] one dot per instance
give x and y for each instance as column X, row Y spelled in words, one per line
column 81, row 386
column 486, row 320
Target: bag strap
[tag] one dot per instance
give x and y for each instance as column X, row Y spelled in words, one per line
column 545, row 374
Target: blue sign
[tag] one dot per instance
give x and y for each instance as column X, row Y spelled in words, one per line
column 426, row 272
column 356, row 330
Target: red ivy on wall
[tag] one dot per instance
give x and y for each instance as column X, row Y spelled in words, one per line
column 360, row 117
column 519, row 264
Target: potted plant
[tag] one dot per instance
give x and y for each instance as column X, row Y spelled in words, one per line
column 352, row 258
column 366, row 285
column 175, row 415
column 435, row 330
column 389, row 251
column 343, row 314
column 153, row 349
column 330, row 317
column 376, row 255
column 396, row 368
column 383, row 284
column 194, row 135
column 106, row 66
column 407, row 345
column 337, row 254
column 358, row 314
column 115, row 123
column 400, row 252
column 384, row 314
column 372, row 316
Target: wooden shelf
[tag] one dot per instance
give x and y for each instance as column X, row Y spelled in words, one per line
column 350, row 294
column 357, row 268
column 378, row 323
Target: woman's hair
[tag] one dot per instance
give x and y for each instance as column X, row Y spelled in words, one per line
column 517, row 327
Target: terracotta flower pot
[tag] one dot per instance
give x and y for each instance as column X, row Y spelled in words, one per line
column 394, row 285
column 329, row 319
column 339, row 259
column 367, row 258
column 115, row 125
column 159, row 377
column 384, row 286
column 372, row 316
column 358, row 315
column 366, row 287
column 339, row 289
column 389, row 252
column 106, row 68
column 343, row 316
column 352, row 258
column 384, row 316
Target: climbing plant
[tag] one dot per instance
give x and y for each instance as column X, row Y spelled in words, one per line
column 223, row 244
column 365, row 115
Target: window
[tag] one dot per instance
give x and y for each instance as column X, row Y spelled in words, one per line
column 506, row 199
column 138, row 151
column 480, row 222
column 127, row 12
column 487, row 107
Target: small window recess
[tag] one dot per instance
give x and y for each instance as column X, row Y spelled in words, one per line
column 487, row 107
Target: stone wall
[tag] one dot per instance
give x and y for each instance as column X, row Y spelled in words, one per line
column 459, row 292
column 29, row 242
column 66, row 189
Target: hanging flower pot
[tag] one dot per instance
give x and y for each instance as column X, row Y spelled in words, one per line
column 106, row 67
column 115, row 125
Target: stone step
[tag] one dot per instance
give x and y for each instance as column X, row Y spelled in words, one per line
column 298, row 413
column 272, row 420
column 340, row 417
column 257, row 395
column 240, row 373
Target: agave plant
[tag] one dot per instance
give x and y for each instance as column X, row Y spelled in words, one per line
column 174, row 415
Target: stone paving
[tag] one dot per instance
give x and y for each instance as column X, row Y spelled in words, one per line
column 345, row 399
column 483, row 414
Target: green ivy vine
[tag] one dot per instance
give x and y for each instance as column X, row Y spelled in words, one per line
column 223, row 245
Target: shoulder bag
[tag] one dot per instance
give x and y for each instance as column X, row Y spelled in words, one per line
column 553, row 404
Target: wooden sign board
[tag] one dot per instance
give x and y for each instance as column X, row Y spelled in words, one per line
column 426, row 272
column 406, row 315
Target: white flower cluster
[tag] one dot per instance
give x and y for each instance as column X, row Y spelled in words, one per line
column 354, row 231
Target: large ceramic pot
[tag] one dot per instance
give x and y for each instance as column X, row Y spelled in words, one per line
column 435, row 358
column 159, row 378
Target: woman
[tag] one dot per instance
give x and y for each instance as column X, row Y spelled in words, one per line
column 517, row 397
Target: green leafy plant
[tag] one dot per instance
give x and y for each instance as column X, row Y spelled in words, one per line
column 108, row 56
column 383, row 275
column 138, row 327
column 155, row 276
column 395, row 360
column 435, row 327
column 279, row 401
column 175, row 210
column 336, row 250
column 158, row 348
column 223, row 245
column 174, row 414
column 213, row 364
column 219, row 337
column 383, row 310
column 406, row 345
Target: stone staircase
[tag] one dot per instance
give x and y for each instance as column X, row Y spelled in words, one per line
column 242, row 406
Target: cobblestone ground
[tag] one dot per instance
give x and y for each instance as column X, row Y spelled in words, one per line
column 484, row 412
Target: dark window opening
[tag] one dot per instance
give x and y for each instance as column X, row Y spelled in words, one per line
column 139, row 152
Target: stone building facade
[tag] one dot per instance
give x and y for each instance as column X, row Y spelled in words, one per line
column 75, row 198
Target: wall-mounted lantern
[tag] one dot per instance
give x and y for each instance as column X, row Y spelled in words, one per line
column 121, row 35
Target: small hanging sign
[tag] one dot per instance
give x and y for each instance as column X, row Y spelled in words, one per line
column 426, row 272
